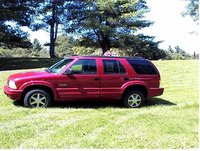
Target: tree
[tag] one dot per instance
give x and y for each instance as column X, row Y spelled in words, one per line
column 13, row 37
column 36, row 45
column 144, row 46
column 13, row 15
column 192, row 9
column 64, row 46
column 105, row 23
column 176, row 53
column 49, row 17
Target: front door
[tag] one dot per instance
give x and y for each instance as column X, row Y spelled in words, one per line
column 83, row 83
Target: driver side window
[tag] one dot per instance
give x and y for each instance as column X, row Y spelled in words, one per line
column 84, row 66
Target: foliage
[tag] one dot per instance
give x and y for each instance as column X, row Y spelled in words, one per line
column 36, row 45
column 4, row 53
column 13, row 37
column 23, row 52
column 108, row 24
column 192, row 9
column 88, row 51
column 144, row 46
column 20, row 13
column 176, row 54
column 64, row 46
column 67, row 46
column 169, row 121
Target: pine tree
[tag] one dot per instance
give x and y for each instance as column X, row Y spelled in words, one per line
column 19, row 13
column 105, row 23
column 36, row 45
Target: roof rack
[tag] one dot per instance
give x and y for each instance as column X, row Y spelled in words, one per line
column 110, row 57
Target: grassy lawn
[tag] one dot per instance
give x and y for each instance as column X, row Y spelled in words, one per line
column 170, row 121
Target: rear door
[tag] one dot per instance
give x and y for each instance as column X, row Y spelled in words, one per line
column 113, row 76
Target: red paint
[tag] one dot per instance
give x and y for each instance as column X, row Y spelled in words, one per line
column 86, row 86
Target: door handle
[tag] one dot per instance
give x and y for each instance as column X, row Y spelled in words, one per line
column 126, row 79
column 96, row 79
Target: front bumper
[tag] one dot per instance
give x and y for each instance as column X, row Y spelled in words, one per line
column 155, row 92
column 13, row 94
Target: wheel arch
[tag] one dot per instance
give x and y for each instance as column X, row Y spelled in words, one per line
column 139, row 87
column 41, row 87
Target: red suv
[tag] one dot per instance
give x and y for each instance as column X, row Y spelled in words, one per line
column 129, row 79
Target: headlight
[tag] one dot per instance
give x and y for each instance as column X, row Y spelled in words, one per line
column 12, row 84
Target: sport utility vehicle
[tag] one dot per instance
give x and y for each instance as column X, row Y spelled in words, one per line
column 132, row 80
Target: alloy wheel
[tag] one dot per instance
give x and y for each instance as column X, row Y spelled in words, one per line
column 38, row 100
column 134, row 100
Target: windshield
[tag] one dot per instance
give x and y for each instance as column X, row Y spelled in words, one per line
column 56, row 68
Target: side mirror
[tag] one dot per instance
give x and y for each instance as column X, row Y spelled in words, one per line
column 68, row 72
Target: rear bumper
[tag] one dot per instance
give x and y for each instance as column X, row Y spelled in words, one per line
column 155, row 92
column 13, row 94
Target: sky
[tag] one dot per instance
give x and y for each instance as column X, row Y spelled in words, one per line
column 169, row 26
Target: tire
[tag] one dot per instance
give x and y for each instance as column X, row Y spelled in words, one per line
column 134, row 99
column 37, row 98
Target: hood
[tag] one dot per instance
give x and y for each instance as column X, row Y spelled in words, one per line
column 30, row 75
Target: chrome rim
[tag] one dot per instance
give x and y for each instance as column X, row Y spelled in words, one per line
column 134, row 100
column 38, row 100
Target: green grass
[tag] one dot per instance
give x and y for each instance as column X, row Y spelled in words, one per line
column 172, row 122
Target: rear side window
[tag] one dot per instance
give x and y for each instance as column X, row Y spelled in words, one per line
column 113, row 67
column 142, row 66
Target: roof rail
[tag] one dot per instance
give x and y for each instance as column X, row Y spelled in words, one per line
column 114, row 57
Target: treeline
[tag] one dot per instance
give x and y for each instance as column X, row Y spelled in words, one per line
column 67, row 46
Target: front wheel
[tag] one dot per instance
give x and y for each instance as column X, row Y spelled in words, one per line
column 134, row 99
column 37, row 98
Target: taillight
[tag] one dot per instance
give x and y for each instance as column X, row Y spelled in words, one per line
column 159, row 83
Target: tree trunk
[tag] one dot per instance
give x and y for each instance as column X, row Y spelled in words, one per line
column 52, row 33
column 52, row 43
column 105, row 45
column 103, row 40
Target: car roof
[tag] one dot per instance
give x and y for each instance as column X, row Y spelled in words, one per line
column 135, row 58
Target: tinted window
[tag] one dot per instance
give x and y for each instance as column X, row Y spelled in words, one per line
column 142, row 66
column 121, row 68
column 113, row 67
column 84, row 66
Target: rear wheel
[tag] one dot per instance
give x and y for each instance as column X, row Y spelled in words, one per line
column 37, row 98
column 134, row 99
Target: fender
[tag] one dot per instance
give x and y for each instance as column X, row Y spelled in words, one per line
column 39, row 83
column 131, row 83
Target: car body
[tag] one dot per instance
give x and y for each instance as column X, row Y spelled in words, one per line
column 131, row 79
